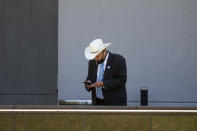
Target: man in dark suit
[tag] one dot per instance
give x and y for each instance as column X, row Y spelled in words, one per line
column 107, row 75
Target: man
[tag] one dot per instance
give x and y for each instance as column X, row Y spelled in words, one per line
column 107, row 75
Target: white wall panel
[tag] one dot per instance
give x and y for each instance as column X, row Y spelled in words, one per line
column 157, row 38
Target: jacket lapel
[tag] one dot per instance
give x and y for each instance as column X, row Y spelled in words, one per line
column 108, row 66
column 95, row 72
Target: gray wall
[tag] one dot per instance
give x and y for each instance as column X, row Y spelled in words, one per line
column 157, row 38
column 28, row 52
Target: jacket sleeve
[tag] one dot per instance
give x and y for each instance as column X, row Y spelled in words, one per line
column 119, row 76
column 88, row 77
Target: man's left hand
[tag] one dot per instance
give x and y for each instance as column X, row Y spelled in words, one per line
column 98, row 84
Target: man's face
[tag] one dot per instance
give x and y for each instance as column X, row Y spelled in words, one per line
column 99, row 57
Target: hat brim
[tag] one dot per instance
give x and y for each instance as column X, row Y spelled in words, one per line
column 89, row 55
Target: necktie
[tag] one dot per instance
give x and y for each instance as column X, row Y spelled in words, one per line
column 99, row 93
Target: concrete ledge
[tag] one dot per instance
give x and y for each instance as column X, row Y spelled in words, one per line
column 97, row 119
column 93, row 107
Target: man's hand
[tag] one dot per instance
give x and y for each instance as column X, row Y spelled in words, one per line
column 88, row 86
column 98, row 84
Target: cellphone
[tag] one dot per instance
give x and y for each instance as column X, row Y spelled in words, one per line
column 87, row 82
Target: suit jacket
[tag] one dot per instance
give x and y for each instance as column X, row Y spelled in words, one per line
column 114, row 80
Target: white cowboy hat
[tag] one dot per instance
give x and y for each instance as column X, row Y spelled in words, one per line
column 94, row 48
